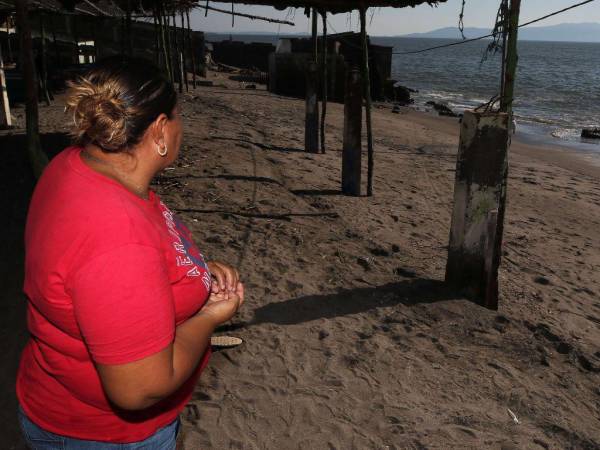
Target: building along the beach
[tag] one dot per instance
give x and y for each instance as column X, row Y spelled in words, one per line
column 65, row 40
column 287, row 65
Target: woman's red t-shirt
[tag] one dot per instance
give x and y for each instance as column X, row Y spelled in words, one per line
column 108, row 276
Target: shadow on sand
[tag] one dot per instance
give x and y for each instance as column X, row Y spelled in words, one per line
column 352, row 301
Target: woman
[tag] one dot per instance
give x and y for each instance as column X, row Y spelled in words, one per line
column 121, row 303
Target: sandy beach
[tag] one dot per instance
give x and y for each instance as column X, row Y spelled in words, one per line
column 351, row 339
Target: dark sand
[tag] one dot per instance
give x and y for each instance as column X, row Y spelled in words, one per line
column 351, row 340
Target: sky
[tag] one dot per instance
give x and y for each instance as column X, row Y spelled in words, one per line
column 391, row 21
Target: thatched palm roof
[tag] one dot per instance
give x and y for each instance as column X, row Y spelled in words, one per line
column 336, row 6
column 117, row 7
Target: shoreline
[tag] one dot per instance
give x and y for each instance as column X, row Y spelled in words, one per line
column 533, row 133
column 585, row 162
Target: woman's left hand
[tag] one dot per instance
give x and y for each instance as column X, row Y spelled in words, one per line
column 225, row 277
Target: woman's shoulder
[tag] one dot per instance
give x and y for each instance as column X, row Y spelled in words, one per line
column 88, row 206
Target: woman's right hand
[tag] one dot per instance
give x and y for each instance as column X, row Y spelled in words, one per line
column 222, row 306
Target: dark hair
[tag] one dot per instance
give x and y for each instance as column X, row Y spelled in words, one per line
column 116, row 101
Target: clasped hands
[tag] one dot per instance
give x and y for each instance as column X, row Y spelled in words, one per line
column 227, row 292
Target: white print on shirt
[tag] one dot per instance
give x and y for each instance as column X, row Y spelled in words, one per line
column 184, row 261
column 194, row 272
column 181, row 245
column 206, row 279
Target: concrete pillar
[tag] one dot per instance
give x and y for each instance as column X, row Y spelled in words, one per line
column 479, row 204
column 311, row 132
column 351, row 154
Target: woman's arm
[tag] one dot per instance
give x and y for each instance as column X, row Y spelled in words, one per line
column 140, row 384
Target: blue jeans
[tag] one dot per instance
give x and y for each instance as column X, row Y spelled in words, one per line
column 39, row 439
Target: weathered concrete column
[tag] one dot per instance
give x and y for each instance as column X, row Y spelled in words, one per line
column 479, row 204
column 311, row 131
column 351, row 154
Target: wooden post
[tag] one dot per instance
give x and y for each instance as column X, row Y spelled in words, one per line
column 163, row 39
column 128, row 31
column 367, row 92
column 73, row 28
column 191, row 47
column 512, row 57
column 10, row 52
column 156, row 38
column 5, row 118
column 479, row 194
column 43, row 60
column 169, row 48
column 183, row 54
column 315, row 36
column 325, row 80
column 351, row 154
column 57, row 63
column 311, row 130
column 37, row 157
column 176, row 54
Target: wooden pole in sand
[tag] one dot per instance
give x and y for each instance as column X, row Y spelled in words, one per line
column 367, row 94
column 183, row 52
column 311, row 124
column 128, row 29
column 10, row 52
column 325, row 80
column 37, row 157
column 169, row 48
column 351, row 154
column 176, row 53
column 161, row 15
column 315, row 35
column 311, row 128
column 43, row 60
column 512, row 57
column 58, row 62
column 191, row 47
column 156, row 38
column 475, row 249
column 5, row 118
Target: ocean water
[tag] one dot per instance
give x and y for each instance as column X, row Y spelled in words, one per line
column 557, row 90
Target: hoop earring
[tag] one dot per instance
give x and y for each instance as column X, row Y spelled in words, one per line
column 162, row 152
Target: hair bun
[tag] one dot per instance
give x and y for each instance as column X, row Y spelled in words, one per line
column 99, row 116
column 115, row 103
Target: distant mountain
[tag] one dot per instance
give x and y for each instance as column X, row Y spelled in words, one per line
column 565, row 32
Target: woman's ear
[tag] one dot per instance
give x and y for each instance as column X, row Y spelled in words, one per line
column 158, row 129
